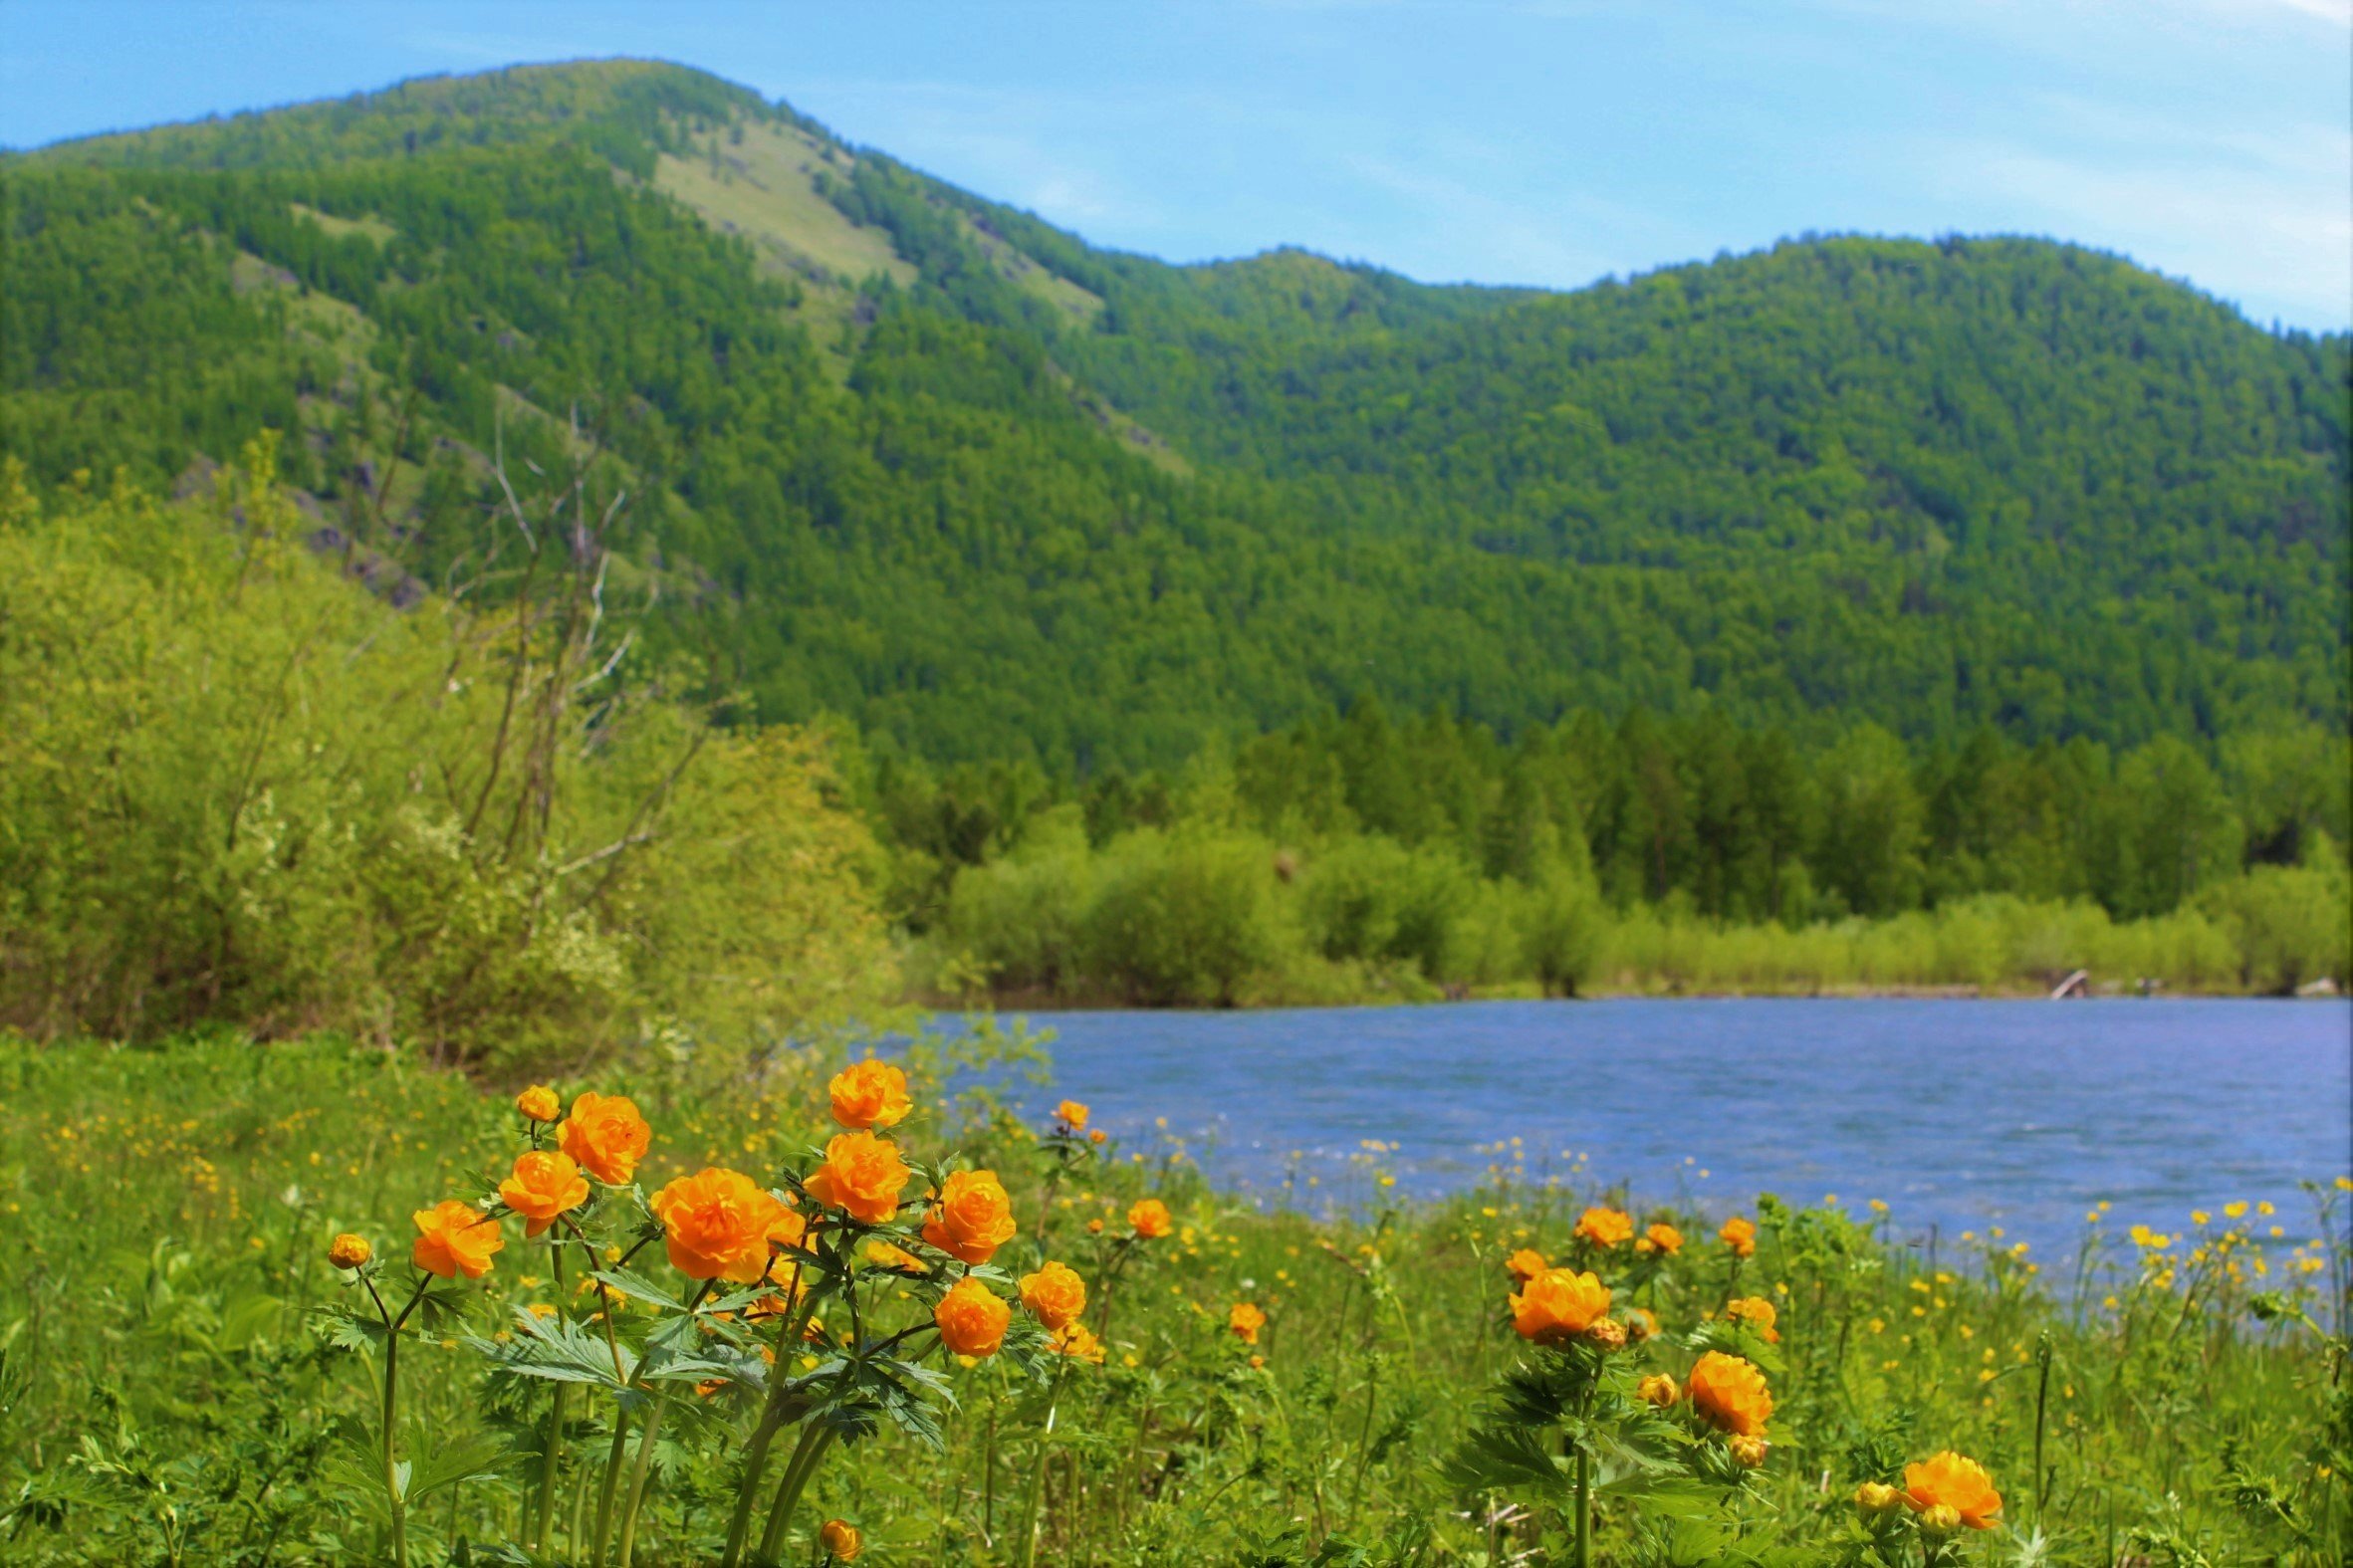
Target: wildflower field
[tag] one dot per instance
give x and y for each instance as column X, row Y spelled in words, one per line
column 312, row 1303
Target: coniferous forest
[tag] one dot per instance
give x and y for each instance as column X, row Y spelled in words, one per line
column 1857, row 613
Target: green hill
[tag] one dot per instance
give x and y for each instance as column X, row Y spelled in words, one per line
column 911, row 456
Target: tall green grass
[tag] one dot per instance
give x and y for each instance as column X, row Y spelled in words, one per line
column 168, row 1396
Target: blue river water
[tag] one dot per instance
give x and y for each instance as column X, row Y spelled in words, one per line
column 1957, row 1114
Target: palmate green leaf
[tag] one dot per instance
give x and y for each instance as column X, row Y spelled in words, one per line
column 637, row 1287
column 346, row 1329
column 442, row 1303
column 450, row 1464
column 557, row 1350
column 1504, row 1457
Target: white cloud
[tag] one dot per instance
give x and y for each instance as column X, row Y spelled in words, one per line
column 2245, row 222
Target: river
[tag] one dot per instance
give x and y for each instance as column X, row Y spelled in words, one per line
column 1962, row 1115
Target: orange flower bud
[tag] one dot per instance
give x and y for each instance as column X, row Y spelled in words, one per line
column 1758, row 1313
column 1149, row 1217
column 1054, row 1295
column 1257, row 1362
column 841, row 1540
column 539, row 1103
column 1740, row 1235
column 862, row 1177
column 1071, row 1114
column 606, row 1136
column 545, row 1185
column 971, row 1217
column 1605, row 1227
column 871, row 1094
column 971, row 1320
column 1640, row 1325
column 1731, row 1393
column 1557, row 1305
column 350, row 1251
column 1245, row 1321
column 1876, row 1499
column 1095, row 1226
column 1609, row 1334
column 1950, row 1480
column 455, row 1238
column 1748, row 1450
column 715, row 1224
column 1099, row 1136
column 1658, row 1390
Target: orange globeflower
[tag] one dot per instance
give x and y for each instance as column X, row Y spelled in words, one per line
column 606, row 1136
column 1758, row 1312
column 1662, row 1238
column 841, row 1540
column 1641, row 1325
column 716, row 1224
column 1605, row 1227
column 454, row 1237
column 1071, row 1114
column 545, row 1185
column 1149, row 1216
column 1956, row 1483
column 862, row 1177
column 1099, row 1136
column 1054, row 1295
column 1731, row 1393
column 1526, row 1264
column 971, row 1320
column 971, row 1217
column 539, row 1103
column 1245, row 1321
column 1077, row 1341
column 869, row 1095
column 350, row 1251
column 1738, row 1235
column 1557, row 1305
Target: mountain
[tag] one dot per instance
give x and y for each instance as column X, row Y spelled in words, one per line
column 902, row 453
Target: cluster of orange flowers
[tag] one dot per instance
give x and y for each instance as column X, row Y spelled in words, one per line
column 1559, row 1306
column 1943, row 1492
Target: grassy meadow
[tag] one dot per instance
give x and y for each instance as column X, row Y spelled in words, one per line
column 187, row 1378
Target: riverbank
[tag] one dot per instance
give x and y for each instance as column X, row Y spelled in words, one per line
column 171, row 1212
column 1034, row 1000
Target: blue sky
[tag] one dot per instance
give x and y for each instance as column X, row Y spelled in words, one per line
column 1544, row 142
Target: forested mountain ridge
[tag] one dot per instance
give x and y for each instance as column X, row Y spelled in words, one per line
column 919, row 458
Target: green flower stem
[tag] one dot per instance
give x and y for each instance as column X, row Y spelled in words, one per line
column 613, row 1481
column 1038, row 1470
column 1584, row 1542
column 638, row 1472
column 393, row 1490
column 644, row 1465
column 772, row 1421
column 544, row 1521
column 788, row 1493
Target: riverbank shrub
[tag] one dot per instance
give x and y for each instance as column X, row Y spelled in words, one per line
column 1362, row 918
column 1545, row 1368
column 237, row 788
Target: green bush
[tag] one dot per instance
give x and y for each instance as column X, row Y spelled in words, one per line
column 239, row 790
